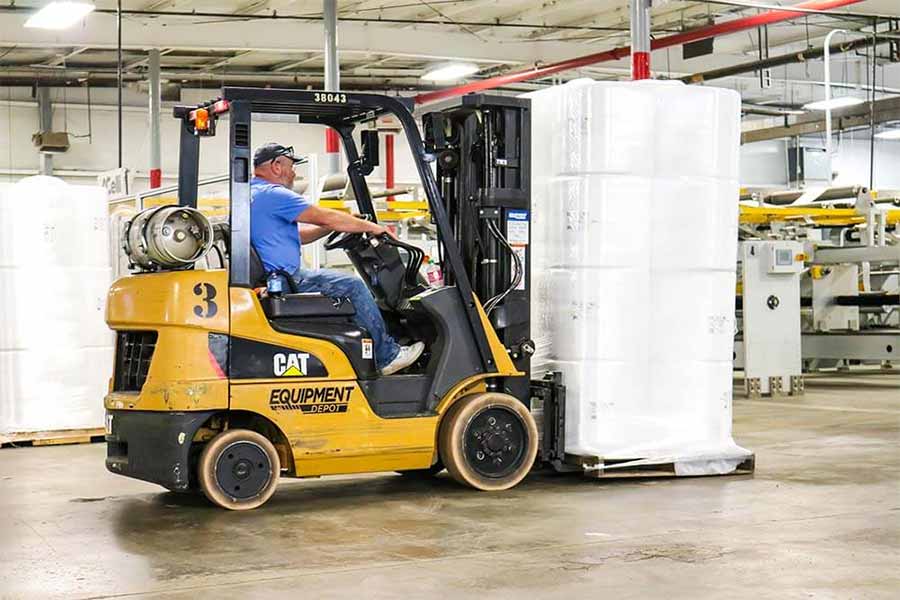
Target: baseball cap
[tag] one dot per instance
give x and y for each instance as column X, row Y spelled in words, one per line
column 271, row 151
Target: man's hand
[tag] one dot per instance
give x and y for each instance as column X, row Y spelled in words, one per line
column 381, row 229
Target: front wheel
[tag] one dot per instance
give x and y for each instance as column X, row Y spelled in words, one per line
column 239, row 469
column 488, row 441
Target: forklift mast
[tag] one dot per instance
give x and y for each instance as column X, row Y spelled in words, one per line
column 483, row 149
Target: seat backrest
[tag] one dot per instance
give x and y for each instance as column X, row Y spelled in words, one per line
column 257, row 270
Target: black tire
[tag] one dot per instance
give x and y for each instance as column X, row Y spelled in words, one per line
column 488, row 441
column 239, row 469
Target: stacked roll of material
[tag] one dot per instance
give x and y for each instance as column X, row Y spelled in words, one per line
column 56, row 351
column 635, row 188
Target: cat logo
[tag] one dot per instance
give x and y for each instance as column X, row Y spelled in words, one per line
column 293, row 364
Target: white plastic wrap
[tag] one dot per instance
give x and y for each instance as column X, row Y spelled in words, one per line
column 634, row 222
column 56, row 351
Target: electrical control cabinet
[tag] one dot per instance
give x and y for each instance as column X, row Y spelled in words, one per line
column 771, row 316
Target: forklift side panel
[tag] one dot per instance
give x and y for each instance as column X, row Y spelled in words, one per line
column 352, row 339
column 179, row 370
column 248, row 321
column 177, row 298
column 332, row 429
column 454, row 357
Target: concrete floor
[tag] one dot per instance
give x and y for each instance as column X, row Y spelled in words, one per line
column 820, row 519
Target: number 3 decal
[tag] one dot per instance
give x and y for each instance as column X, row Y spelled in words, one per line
column 211, row 307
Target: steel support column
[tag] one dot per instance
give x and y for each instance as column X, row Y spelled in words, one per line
column 332, row 82
column 45, row 122
column 828, row 143
column 155, row 93
column 119, row 75
column 640, row 39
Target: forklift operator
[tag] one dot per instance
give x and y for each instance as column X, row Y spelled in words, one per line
column 281, row 220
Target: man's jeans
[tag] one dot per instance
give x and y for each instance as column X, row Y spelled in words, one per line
column 338, row 285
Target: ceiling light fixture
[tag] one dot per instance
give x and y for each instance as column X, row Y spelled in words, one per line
column 449, row 71
column 834, row 103
column 890, row 134
column 59, row 15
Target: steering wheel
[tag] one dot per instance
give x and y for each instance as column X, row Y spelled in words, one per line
column 341, row 239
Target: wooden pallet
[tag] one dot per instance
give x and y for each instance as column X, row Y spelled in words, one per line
column 745, row 467
column 52, row 438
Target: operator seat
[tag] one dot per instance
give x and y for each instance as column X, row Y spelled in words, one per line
column 317, row 316
column 295, row 304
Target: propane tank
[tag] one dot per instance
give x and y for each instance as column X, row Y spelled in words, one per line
column 167, row 237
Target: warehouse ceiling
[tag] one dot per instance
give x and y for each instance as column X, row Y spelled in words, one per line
column 388, row 44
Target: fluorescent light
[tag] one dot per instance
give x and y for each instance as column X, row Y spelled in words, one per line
column 842, row 102
column 59, row 15
column 449, row 71
column 890, row 134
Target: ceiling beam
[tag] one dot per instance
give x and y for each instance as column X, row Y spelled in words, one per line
column 61, row 59
column 853, row 117
column 619, row 17
column 278, row 37
column 252, row 7
column 157, row 4
column 622, row 52
column 141, row 61
column 293, row 64
column 225, row 61
column 544, row 9
column 451, row 12
column 106, row 77
column 780, row 60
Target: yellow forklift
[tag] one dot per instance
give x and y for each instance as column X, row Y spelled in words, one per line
column 223, row 388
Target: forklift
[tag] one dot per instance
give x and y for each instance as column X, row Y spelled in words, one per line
column 222, row 388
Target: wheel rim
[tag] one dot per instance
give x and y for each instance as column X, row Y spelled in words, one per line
column 243, row 470
column 495, row 441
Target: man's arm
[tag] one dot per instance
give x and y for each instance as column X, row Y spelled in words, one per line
column 311, row 233
column 336, row 220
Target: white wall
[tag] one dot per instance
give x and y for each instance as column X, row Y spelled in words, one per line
column 851, row 162
column 763, row 164
column 87, row 157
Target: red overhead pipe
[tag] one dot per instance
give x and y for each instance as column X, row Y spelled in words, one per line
column 700, row 33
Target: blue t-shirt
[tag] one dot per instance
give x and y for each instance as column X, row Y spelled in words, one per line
column 273, row 229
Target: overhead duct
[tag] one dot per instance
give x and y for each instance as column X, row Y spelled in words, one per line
column 781, row 60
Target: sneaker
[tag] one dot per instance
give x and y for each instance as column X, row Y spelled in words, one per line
column 407, row 356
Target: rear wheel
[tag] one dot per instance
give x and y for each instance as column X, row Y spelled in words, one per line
column 239, row 469
column 488, row 441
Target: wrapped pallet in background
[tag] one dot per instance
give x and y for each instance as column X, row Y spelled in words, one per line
column 635, row 188
column 56, row 351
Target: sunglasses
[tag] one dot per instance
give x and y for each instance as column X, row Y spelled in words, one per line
column 289, row 153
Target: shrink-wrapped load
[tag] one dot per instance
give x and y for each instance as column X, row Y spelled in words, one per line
column 55, row 348
column 634, row 247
